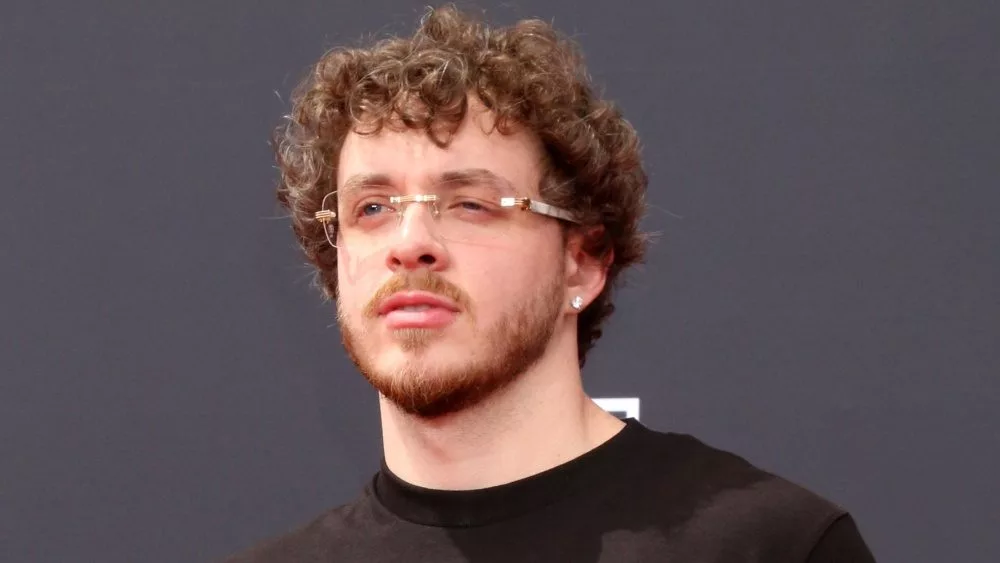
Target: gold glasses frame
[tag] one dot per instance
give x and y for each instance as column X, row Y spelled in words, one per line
column 325, row 216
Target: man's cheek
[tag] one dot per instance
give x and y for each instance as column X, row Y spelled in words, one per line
column 353, row 268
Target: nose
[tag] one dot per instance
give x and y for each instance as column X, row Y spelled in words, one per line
column 415, row 244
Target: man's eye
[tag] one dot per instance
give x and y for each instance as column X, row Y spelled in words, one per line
column 370, row 209
column 470, row 205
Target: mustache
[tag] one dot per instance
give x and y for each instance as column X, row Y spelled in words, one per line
column 423, row 280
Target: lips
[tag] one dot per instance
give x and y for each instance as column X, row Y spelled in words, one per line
column 417, row 309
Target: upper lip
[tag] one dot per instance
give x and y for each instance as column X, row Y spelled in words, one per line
column 411, row 298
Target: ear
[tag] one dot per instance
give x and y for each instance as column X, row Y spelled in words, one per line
column 586, row 274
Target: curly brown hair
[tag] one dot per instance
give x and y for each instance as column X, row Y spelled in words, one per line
column 528, row 74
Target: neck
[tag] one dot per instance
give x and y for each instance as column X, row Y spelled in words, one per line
column 540, row 421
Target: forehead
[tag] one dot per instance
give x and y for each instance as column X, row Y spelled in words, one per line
column 409, row 158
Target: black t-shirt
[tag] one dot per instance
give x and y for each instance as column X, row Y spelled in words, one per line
column 642, row 496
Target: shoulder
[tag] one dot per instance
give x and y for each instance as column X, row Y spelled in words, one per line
column 315, row 541
column 683, row 460
column 721, row 494
column 842, row 541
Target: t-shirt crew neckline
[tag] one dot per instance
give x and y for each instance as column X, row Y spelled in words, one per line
column 479, row 507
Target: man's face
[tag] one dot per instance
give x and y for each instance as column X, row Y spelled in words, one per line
column 439, row 323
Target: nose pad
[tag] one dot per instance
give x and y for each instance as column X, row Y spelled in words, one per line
column 407, row 218
column 417, row 243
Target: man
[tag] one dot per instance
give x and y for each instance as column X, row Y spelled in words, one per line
column 469, row 203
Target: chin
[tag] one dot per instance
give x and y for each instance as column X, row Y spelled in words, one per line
column 417, row 340
column 426, row 357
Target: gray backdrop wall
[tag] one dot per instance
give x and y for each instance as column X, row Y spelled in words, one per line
column 823, row 300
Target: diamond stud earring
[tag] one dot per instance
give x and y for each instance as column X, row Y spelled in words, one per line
column 577, row 302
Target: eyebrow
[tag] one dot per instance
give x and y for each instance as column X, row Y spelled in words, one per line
column 476, row 174
column 361, row 181
column 466, row 175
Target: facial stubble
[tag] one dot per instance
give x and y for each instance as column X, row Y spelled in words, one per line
column 505, row 350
